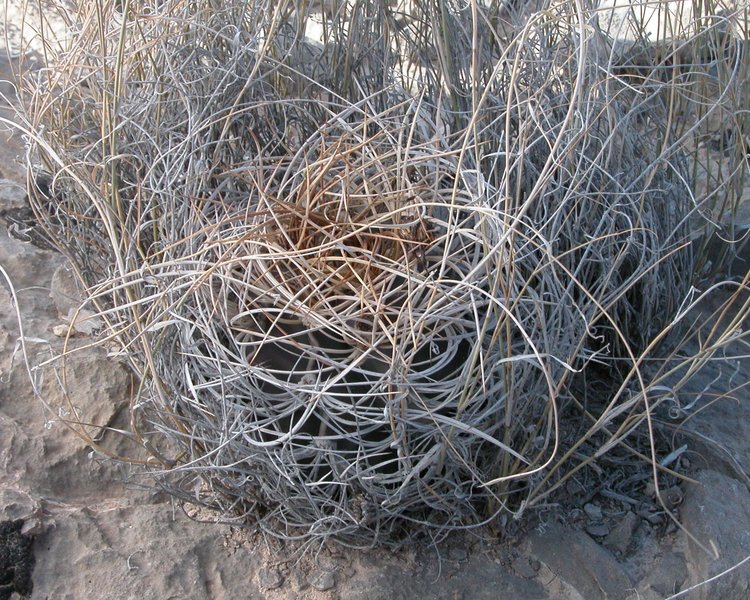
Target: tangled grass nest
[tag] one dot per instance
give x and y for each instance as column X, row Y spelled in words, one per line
column 357, row 277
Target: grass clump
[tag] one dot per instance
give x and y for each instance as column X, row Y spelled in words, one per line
column 361, row 277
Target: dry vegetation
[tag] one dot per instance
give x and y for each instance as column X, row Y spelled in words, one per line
column 363, row 281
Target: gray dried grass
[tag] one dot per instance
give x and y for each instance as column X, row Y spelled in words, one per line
column 357, row 278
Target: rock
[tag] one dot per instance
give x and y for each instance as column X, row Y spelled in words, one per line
column 525, row 567
column 12, row 195
column 620, row 537
column 593, row 511
column 672, row 497
column 103, row 553
column 94, row 388
column 479, row 578
column 597, row 529
column 65, row 291
column 28, row 267
column 322, row 581
column 79, row 322
column 581, row 563
column 299, row 581
column 270, row 579
column 668, row 574
column 16, row 445
column 716, row 513
column 655, row 518
column 17, row 505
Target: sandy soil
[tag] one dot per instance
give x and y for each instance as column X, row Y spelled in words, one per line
column 74, row 525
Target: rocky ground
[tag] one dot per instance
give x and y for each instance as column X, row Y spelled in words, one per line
column 74, row 525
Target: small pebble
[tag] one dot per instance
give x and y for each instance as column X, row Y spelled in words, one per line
column 672, row 497
column 597, row 529
column 322, row 581
column 653, row 518
column 593, row 511
column 620, row 537
column 270, row 579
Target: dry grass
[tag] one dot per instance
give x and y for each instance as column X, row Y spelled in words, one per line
column 359, row 280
